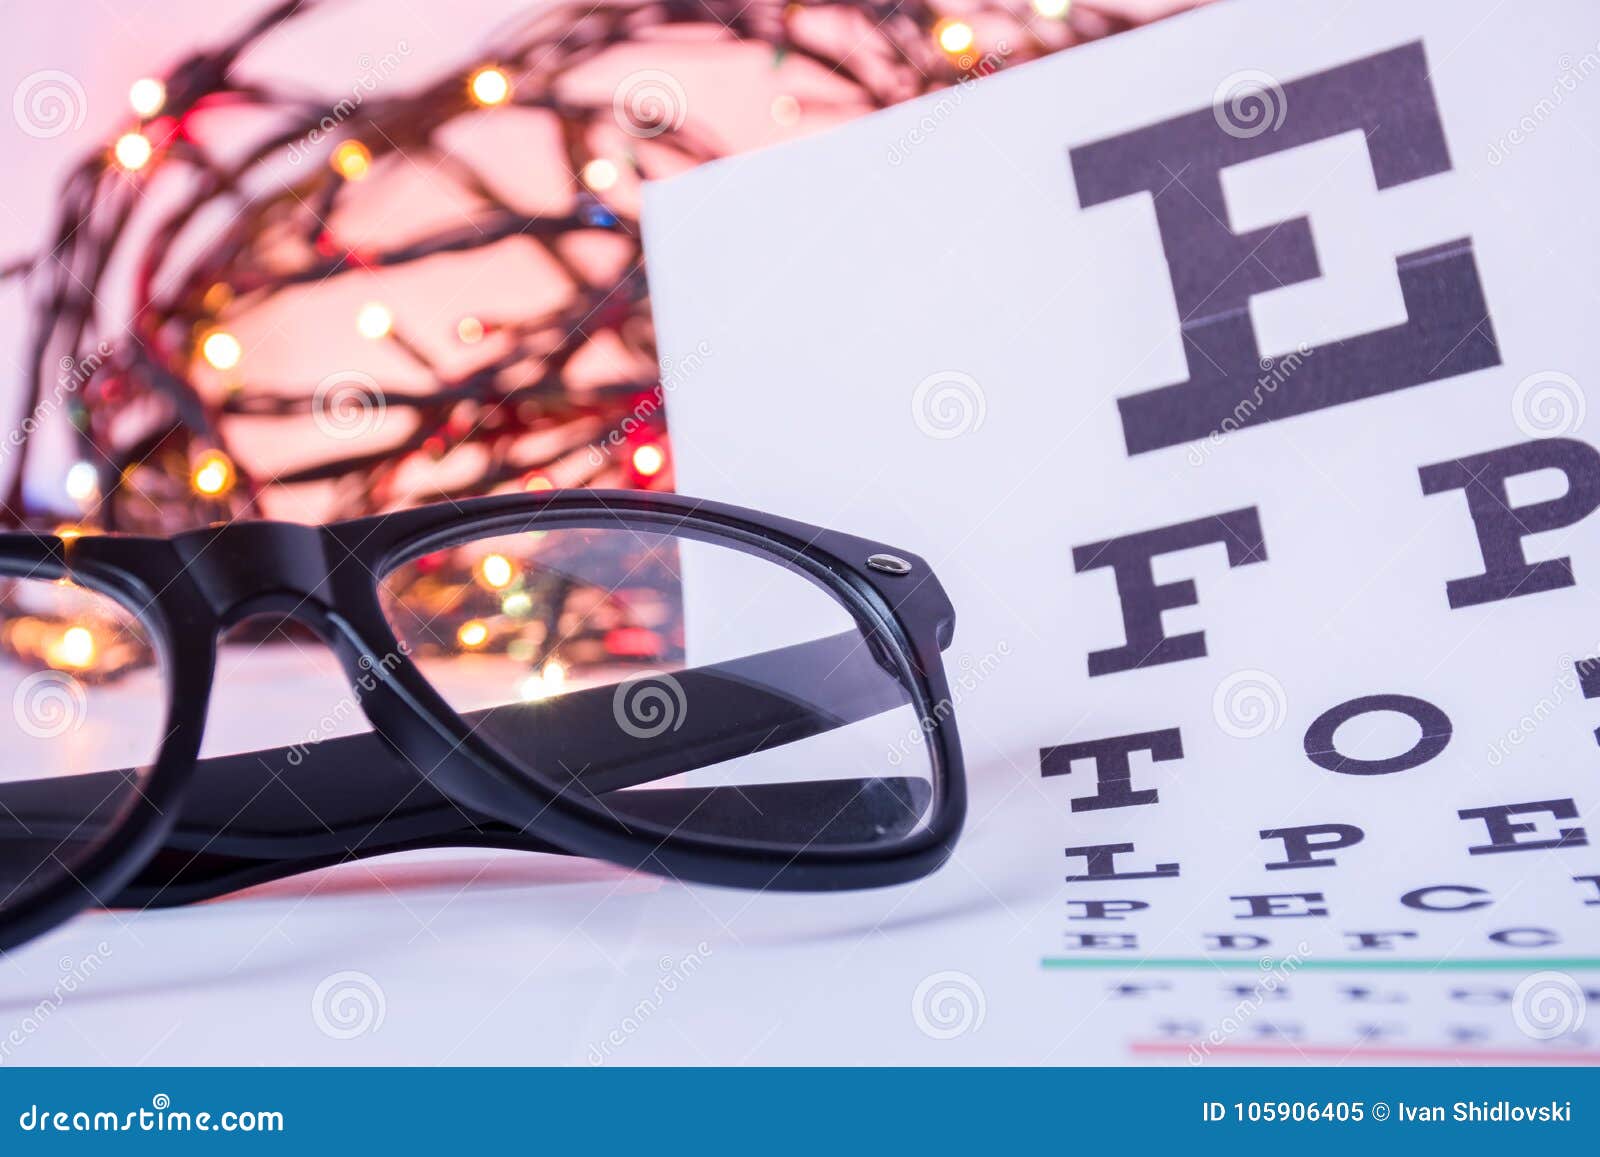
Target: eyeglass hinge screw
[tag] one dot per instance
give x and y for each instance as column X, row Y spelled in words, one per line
column 889, row 564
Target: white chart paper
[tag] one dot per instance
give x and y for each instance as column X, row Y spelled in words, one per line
column 1291, row 303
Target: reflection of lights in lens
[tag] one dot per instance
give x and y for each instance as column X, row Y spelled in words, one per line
column 472, row 634
column 954, row 36
column 374, row 321
column 516, row 604
column 351, row 160
column 68, row 531
column 147, row 96
column 600, row 174
column 1052, row 9
column 469, row 330
column 543, row 684
column 538, row 482
column 133, row 151
column 221, row 349
column 648, row 460
column 213, row 474
column 83, row 480
column 497, row 571
column 75, row 648
column 785, row 109
column 489, row 86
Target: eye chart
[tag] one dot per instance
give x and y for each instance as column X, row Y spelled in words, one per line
column 1232, row 374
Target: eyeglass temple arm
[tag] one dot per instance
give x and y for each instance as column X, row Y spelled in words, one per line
column 262, row 814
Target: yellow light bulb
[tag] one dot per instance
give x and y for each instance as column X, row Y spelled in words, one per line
column 1052, row 9
column 133, row 151
column 489, row 86
column 75, row 649
column 554, row 675
column 600, row 174
column 147, row 96
column 497, row 571
column 212, row 475
column 351, row 160
column 954, row 36
column 473, row 634
column 374, row 321
column 221, row 349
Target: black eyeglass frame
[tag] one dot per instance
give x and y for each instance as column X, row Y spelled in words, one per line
column 191, row 588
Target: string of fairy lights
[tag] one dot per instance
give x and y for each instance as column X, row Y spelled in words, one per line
column 176, row 236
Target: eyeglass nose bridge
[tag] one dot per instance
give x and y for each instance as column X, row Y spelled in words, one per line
column 250, row 568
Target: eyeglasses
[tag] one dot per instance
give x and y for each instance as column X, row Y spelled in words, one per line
column 677, row 686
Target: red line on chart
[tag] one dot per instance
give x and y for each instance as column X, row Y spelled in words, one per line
column 1374, row 1052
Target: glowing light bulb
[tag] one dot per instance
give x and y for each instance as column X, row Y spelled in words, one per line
column 489, row 86
column 133, row 151
column 68, row 531
column 648, row 460
column 76, row 648
column 537, row 483
column 374, row 321
column 516, row 604
column 221, row 349
column 954, row 36
column 785, row 109
column 554, row 675
column 212, row 475
column 83, row 481
column 147, row 96
column 532, row 689
column 472, row 634
column 351, row 160
column 497, row 571
column 469, row 330
column 600, row 174
column 1052, row 9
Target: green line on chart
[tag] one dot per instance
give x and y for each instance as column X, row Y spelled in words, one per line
column 1268, row 964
